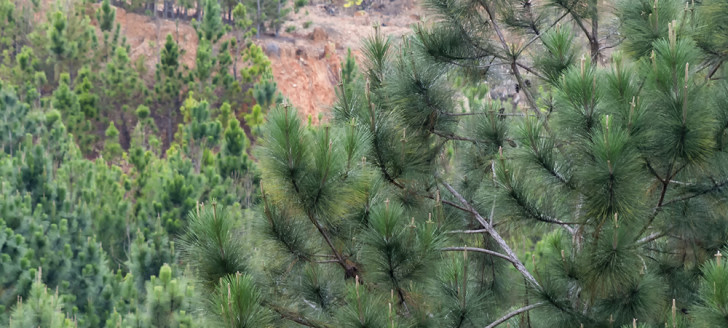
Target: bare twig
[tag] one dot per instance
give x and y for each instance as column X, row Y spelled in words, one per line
column 612, row 45
column 653, row 236
column 455, row 137
column 531, row 70
column 712, row 71
column 488, row 113
column 542, row 32
column 479, row 250
column 513, row 314
column 716, row 186
column 446, row 202
column 297, row 317
column 468, row 231
column 514, row 66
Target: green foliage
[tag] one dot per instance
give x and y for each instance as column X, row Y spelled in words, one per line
column 352, row 3
column 210, row 28
column 148, row 255
column 169, row 301
column 236, row 303
column 559, row 44
column 712, row 310
column 420, row 202
column 106, row 16
column 265, row 91
column 298, row 4
column 65, row 101
column 712, row 14
column 14, row 264
column 255, row 119
column 211, row 246
column 112, row 149
column 646, row 22
column 12, row 127
column 233, row 157
column 87, row 186
column 43, row 308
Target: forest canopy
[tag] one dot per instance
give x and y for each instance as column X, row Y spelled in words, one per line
column 522, row 163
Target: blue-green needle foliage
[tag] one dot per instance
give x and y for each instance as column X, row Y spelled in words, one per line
column 211, row 244
column 236, row 303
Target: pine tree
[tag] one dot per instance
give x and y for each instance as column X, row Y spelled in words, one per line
column 106, row 16
column 122, row 90
column 87, row 100
column 8, row 23
column 168, row 86
column 203, row 72
column 112, row 148
column 12, row 129
column 210, row 27
column 14, row 263
column 265, row 91
column 169, row 301
column 255, row 119
column 148, row 255
column 202, row 132
column 416, row 203
column 218, row 260
column 59, row 44
column 67, row 102
column 43, row 308
column 233, row 158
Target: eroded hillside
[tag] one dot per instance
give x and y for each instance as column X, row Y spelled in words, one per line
column 305, row 60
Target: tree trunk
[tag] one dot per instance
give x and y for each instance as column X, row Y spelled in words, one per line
column 594, row 39
column 198, row 13
column 257, row 20
column 278, row 17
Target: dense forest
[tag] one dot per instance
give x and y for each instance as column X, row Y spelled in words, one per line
column 199, row 197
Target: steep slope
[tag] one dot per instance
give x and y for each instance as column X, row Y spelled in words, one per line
column 306, row 61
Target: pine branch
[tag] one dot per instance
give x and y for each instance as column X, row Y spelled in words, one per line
column 468, row 231
column 377, row 149
column 660, row 202
column 714, row 70
column 479, row 250
column 653, row 236
column 591, row 36
column 715, row 187
column 538, row 35
column 513, row 314
column 297, row 317
column 531, row 70
column 348, row 270
column 653, row 171
column 514, row 66
column 455, row 137
column 488, row 113
column 446, row 202
column 580, row 24
column 613, row 45
column 513, row 258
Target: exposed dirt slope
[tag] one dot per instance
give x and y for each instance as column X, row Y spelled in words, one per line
column 306, row 61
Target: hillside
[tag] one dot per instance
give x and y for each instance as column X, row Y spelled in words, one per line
column 305, row 62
